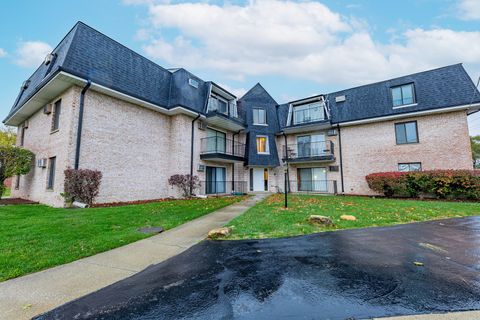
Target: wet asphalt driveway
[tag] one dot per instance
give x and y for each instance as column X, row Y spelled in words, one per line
column 334, row 275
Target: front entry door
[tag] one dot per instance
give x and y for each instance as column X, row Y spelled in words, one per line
column 215, row 180
column 259, row 178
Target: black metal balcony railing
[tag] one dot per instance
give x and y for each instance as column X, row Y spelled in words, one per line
column 310, row 114
column 219, row 145
column 321, row 150
column 227, row 108
column 221, row 187
column 313, row 186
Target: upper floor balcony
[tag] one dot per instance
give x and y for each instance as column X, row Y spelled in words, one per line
column 307, row 113
column 220, row 149
column 222, row 110
column 307, row 152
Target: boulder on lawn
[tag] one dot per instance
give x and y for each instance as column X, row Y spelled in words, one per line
column 219, row 233
column 321, row 221
column 348, row 217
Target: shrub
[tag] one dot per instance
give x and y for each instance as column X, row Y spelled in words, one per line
column 82, row 185
column 452, row 184
column 185, row 182
column 13, row 161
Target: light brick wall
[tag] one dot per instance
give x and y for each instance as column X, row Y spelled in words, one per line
column 44, row 144
column 443, row 144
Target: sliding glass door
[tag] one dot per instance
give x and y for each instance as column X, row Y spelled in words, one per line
column 312, row 179
column 215, row 177
column 216, row 141
column 311, row 145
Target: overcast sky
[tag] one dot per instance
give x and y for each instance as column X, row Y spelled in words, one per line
column 295, row 49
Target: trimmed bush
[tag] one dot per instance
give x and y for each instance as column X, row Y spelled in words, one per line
column 82, row 185
column 445, row 184
column 185, row 183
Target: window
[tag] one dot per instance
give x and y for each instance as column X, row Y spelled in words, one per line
column 51, row 173
column 193, row 83
column 262, row 144
column 403, row 95
column 406, row 132
column 259, row 116
column 308, row 113
column 218, row 104
column 311, row 145
column 312, row 179
column 56, row 115
column 215, row 141
column 412, row 166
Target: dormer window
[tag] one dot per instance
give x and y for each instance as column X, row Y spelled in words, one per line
column 222, row 102
column 259, row 116
column 218, row 104
column 310, row 112
column 403, row 95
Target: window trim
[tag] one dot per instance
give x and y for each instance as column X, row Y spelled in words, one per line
column 51, row 173
column 265, row 116
column 267, row 144
column 56, row 121
column 403, row 105
column 409, row 164
column 406, row 141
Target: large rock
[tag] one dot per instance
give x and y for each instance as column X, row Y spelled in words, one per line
column 348, row 217
column 321, row 221
column 219, row 233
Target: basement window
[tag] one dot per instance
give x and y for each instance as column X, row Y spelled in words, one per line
column 410, row 166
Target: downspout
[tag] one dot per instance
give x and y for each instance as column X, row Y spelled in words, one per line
column 80, row 123
column 341, row 158
column 233, row 163
column 191, row 151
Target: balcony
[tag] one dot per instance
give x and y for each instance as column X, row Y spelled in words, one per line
column 313, row 186
column 322, row 151
column 306, row 116
column 224, row 114
column 221, row 150
column 218, row 188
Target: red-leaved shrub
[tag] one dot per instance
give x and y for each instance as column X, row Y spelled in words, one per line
column 185, row 182
column 452, row 184
column 82, row 185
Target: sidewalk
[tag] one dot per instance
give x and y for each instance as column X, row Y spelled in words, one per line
column 30, row 295
column 462, row 315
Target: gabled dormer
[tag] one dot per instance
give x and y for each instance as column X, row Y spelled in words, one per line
column 312, row 111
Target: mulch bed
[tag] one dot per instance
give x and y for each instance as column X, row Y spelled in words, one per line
column 128, row 203
column 11, row 201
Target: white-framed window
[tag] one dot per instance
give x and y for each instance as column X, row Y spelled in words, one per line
column 262, row 145
column 403, row 95
column 410, row 166
column 259, row 116
column 193, row 83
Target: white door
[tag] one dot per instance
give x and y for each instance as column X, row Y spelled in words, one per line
column 260, row 179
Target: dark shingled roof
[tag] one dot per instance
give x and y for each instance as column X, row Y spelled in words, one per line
column 434, row 89
column 89, row 54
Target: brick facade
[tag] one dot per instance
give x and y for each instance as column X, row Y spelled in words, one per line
column 138, row 149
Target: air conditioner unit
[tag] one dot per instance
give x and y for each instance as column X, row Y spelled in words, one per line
column 201, row 168
column 333, row 168
column 42, row 163
column 48, row 59
column 25, row 124
column 332, row 132
column 47, row 109
column 202, row 125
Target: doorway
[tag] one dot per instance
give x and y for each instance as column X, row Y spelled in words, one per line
column 259, row 179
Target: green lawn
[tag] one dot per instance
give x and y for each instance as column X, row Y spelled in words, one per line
column 269, row 219
column 6, row 193
column 35, row 237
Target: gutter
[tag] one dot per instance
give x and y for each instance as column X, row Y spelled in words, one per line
column 341, row 158
column 80, row 124
column 191, row 150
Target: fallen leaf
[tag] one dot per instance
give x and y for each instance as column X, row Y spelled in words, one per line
column 418, row 264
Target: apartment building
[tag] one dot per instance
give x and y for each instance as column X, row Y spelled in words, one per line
column 95, row 104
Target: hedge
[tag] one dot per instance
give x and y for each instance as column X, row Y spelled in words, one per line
column 444, row 184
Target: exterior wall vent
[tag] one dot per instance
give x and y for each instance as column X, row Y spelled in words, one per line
column 201, row 168
column 42, row 163
column 25, row 84
column 48, row 59
column 47, row 109
column 333, row 168
column 193, row 83
column 202, row 125
column 340, row 98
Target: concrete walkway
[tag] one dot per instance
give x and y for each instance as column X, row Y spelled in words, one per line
column 30, row 295
column 465, row 315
